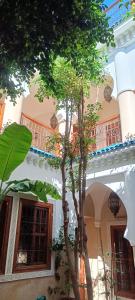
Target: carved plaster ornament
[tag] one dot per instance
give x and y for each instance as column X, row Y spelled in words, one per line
column 108, row 93
column 108, row 87
column 53, row 122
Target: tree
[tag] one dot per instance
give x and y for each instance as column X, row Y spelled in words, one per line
column 15, row 143
column 34, row 32
column 70, row 88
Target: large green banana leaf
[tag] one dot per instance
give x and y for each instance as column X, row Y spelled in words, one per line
column 15, row 142
column 36, row 187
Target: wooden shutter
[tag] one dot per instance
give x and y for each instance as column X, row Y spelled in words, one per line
column 123, row 263
column 5, row 216
column 34, row 230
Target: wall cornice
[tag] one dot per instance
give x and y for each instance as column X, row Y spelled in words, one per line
column 112, row 160
column 124, row 36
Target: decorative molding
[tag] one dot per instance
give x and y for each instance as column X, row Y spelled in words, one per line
column 108, row 93
column 27, row 275
column 37, row 160
column 124, row 36
column 115, row 159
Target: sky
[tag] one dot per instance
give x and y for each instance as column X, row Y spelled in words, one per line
column 108, row 2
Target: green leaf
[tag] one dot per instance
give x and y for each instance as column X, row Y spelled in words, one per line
column 38, row 188
column 40, row 37
column 15, row 143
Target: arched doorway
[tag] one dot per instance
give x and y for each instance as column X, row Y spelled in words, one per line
column 110, row 254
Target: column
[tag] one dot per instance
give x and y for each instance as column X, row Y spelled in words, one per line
column 12, row 111
column 126, row 93
column 130, row 205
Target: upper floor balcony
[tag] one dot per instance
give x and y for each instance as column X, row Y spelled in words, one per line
column 106, row 133
column 40, row 132
column 117, row 11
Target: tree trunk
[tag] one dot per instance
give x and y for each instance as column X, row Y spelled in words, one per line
column 88, row 272
column 75, row 284
column 103, row 259
column 74, row 280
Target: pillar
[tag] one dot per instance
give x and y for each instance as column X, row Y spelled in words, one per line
column 12, row 112
column 130, row 205
column 126, row 93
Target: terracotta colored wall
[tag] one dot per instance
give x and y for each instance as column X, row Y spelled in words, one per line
column 93, row 233
column 26, row 289
column 127, row 109
column 109, row 109
column 92, row 238
column 41, row 112
column 94, row 246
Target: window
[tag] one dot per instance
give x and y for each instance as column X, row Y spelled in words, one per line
column 5, row 215
column 33, row 238
column 123, row 263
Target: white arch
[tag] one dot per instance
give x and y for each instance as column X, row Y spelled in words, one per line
column 99, row 193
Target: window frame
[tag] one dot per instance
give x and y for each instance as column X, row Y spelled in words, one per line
column 120, row 293
column 36, row 267
column 9, row 201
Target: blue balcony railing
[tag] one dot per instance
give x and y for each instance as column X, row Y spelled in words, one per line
column 116, row 12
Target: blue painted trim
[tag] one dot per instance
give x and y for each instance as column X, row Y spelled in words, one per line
column 113, row 147
column 101, row 151
column 41, row 152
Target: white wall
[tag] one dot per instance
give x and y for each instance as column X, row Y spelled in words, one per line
column 12, row 113
column 34, row 168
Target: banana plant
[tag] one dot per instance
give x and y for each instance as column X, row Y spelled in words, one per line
column 15, row 143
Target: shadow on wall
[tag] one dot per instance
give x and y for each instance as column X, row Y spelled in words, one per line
column 99, row 219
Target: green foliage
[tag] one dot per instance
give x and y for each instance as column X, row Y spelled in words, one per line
column 68, row 81
column 34, row 32
column 68, row 88
column 62, row 270
column 71, row 84
column 15, row 143
column 38, row 188
column 54, row 162
column 130, row 7
column 58, row 244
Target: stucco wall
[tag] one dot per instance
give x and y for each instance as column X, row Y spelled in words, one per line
column 12, row 113
column 99, row 245
column 108, row 109
column 28, row 285
column 27, row 289
column 41, row 112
